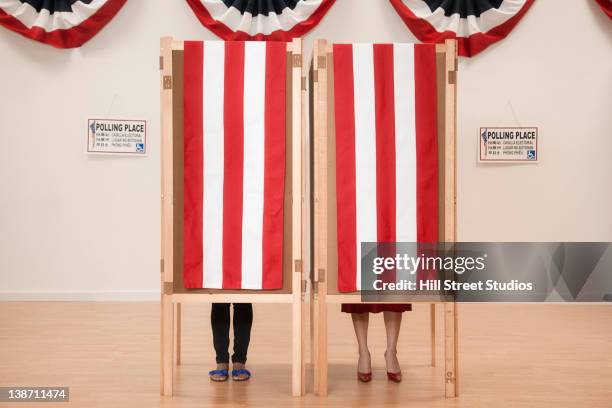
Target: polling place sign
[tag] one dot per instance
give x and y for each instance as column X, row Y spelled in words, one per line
column 508, row 144
column 117, row 136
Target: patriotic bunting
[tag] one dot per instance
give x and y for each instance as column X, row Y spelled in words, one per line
column 476, row 24
column 60, row 23
column 278, row 20
column 606, row 7
column 386, row 149
column 234, row 164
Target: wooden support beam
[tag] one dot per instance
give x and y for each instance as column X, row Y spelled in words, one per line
column 166, row 160
column 177, row 333
column 304, row 230
column 167, row 345
column 320, row 124
column 432, row 332
column 166, row 263
column 450, row 350
column 249, row 297
column 297, row 366
column 450, row 234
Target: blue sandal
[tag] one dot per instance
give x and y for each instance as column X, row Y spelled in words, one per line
column 223, row 373
column 236, row 373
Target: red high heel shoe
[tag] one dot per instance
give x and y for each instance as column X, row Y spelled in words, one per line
column 395, row 377
column 364, row 377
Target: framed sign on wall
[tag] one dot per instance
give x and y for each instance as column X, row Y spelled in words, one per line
column 508, row 144
column 117, row 136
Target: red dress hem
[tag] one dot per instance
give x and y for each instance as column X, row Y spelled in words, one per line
column 376, row 308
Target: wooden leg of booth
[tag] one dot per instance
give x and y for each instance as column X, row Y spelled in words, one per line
column 304, row 324
column 314, row 338
column 312, row 332
column 177, row 333
column 320, row 343
column 432, row 332
column 451, row 361
column 297, row 363
column 167, row 345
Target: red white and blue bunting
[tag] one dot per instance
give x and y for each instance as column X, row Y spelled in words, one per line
column 279, row 20
column 475, row 24
column 606, row 7
column 60, row 23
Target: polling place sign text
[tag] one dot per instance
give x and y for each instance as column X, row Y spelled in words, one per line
column 117, row 136
column 508, row 144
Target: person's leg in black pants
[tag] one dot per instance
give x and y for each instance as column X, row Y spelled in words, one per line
column 220, row 321
column 243, row 320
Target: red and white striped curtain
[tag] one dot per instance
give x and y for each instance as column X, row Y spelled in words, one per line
column 234, row 164
column 386, row 149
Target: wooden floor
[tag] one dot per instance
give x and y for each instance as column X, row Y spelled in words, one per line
column 510, row 356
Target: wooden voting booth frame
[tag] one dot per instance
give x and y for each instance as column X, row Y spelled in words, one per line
column 173, row 293
column 324, row 274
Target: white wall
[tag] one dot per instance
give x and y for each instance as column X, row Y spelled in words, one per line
column 73, row 226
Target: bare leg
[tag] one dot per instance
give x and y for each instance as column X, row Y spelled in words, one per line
column 393, row 322
column 360, row 323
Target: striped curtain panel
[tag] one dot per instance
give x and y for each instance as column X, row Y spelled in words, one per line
column 386, row 149
column 234, row 164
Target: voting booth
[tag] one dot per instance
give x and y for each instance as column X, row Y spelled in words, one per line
column 383, row 127
column 232, row 184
